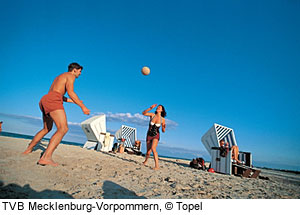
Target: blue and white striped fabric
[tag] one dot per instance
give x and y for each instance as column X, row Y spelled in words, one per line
column 225, row 133
column 128, row 133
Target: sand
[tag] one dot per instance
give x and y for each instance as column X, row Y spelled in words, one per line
column 90, row 174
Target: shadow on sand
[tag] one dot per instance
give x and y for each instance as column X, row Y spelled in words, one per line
column 151, row 157
column 174, row 162
column 123, row 159
column 40, row 146
column 112, row 190
column 14, row 191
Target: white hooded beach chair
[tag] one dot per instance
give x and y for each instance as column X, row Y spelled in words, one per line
column 211, row 141
column 95, row 131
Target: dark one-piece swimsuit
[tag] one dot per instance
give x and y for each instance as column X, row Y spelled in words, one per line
column 153, row 131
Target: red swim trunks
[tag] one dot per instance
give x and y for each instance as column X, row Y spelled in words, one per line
column 150, row 138
column 51, row 102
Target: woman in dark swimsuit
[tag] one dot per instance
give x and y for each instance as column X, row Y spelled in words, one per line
column 157, row 120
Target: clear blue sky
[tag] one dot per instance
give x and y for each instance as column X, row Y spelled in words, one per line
column 236, row 63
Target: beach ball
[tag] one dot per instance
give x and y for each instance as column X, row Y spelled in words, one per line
column 145, row 70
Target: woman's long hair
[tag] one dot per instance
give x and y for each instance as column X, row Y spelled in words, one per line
column 163, row 113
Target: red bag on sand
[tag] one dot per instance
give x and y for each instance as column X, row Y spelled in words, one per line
column 211, row 170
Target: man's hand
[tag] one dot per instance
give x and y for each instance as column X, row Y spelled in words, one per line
column 86, row 111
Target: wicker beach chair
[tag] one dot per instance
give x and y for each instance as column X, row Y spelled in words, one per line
column 128, row 137
column 224, row 164
column 95, row 131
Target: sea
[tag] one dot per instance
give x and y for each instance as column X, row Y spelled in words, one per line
column 25, row 136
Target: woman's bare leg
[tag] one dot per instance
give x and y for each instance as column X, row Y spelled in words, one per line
column 235, row 154
column 148, row 152
column 155, row 155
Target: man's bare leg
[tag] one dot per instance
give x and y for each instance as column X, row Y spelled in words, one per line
column 148, row 152
column 48, row 124
column 60, row 120
column 155, row 155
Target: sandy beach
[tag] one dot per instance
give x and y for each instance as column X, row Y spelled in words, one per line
column 90, row 174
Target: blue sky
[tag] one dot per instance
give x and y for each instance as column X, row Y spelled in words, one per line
column 236, row 63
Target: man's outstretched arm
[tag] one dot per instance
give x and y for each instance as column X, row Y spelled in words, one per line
column 73, row 95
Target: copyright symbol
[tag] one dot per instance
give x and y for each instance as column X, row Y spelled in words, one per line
column 169, row 206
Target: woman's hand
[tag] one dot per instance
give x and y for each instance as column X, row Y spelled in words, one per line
column 145, row 112
column 153, row 106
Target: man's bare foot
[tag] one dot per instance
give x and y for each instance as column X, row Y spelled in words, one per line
column 144, row 163
column 27, row 151
column 44, row 162
column 155, row 168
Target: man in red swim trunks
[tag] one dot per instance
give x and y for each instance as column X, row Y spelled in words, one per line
column 52, row 108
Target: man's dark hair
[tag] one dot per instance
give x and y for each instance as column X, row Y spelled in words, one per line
column 74, row 66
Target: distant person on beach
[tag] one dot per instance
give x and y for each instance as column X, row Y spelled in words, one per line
column 1, row 125
column 234, row 151
column 52, row 108
column 157, row 120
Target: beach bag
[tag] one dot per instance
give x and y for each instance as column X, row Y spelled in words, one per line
column 194, row 164
column 201, row 163
column 198, row 163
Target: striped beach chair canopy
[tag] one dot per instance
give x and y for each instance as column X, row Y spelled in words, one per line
column 127, row 133
column 216, row 133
